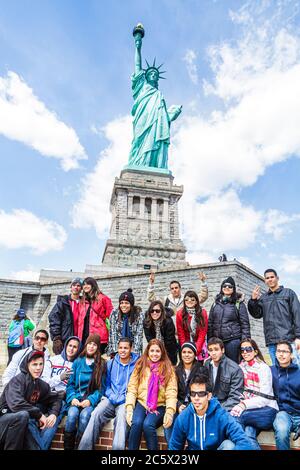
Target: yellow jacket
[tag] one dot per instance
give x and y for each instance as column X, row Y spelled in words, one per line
column 167, row 395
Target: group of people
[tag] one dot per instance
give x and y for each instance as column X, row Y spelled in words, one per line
column 201, row 376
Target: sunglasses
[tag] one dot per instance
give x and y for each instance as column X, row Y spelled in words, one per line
column 247, row 349
column 40, row 338
column 199, row 394
column 155, row 310
column 229, row 286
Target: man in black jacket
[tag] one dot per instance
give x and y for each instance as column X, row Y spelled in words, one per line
column 21, row 403
column 226, row 377
column 280, row 309
column 63, row 318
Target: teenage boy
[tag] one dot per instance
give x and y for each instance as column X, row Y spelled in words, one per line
column 205, row 425
column 286, row 387
column 21, row 403
column 39, row 343
column 63, row 318
column 226, row 377
column 175, row 298
column 280, row 309
column 112, row 405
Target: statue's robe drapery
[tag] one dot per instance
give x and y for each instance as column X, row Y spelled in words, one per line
column 151, row 125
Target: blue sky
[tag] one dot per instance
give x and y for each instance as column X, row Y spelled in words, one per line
column 65, row 127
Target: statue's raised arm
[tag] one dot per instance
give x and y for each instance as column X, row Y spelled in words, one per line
column 138, row 34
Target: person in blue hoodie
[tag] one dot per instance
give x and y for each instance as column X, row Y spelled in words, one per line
column 112, row 405
column 286, row 387
column 84, row 390
column 204, row 424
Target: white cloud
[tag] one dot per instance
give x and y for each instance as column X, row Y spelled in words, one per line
column 257, row 79
column 92, row 208
column 23, row 117
column 190, row 60
column 22, row 229
column 220, row 223
column 200, row 257
column 25, row 275
column 290, row 264
column 278, row 223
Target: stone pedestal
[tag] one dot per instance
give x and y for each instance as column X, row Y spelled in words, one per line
column 144, row 232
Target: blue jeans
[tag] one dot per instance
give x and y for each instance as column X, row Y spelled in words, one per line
column 168, row 431
column 147, row 422
column 43, row 437
column 104, row 412
column 226, row 445
column 283, row 425
column 256, row 420
column 82, row 415
column 232, row 349
column 272, row 352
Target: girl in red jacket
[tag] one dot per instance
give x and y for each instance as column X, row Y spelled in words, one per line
column 94, row 311
column 191, row 323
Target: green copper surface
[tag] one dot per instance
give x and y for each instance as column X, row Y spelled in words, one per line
column 151, row 118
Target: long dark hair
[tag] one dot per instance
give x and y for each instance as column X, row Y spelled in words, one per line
column 149, row 323
column 93, row 294
column 185, row 315
column 17, row 318
column 133, row 314
column 98, row 371
column 254, row 345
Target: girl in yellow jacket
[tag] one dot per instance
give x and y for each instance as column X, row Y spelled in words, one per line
column 151, row 396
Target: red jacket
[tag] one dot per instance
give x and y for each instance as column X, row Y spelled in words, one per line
column 100, row 310
column 184, row 334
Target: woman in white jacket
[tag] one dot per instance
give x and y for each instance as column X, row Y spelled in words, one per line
column 257, row 408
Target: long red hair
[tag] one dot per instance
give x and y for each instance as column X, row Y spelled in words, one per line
column 165, row 368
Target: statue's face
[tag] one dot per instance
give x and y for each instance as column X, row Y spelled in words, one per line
column 152, row 77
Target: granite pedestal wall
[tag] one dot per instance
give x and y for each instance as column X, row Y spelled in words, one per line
column 39, row 298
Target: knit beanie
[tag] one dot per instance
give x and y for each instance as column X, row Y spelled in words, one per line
column 94, row 338
column 229, row 280
column 191, row 346
column 128, row 295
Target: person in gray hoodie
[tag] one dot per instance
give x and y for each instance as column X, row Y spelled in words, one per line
column 112, row 405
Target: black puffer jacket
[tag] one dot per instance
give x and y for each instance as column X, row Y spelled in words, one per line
column 23, row 393
column 228, row 321
column 280, row 311
column 229, row 384
column 61, row 319
column 168, row 333
column 183, row 396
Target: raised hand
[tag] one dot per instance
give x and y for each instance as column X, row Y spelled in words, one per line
column 202, row 276
column 256, row 293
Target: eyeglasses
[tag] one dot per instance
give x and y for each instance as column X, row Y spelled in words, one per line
column 247, row 349
column 282, row 351
column 229, row 286
column 201, row 394
column 155, row 310
column 40, row 338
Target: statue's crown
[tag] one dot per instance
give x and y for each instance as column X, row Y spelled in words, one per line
column 153, row 67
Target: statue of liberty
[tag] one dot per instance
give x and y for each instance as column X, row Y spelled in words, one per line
column 151, row 118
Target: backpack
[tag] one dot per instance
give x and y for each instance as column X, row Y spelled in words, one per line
column 16, row 334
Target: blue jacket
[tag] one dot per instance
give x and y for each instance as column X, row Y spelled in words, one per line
column 79, row 381
column 209, row 433
column 286, row 387
column 117, row 378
